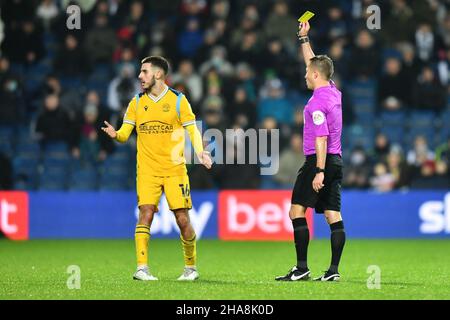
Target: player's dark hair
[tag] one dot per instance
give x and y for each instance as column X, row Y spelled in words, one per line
column 157, row 61
column 324, row 65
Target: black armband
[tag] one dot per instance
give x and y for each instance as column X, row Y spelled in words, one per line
column 303, row 39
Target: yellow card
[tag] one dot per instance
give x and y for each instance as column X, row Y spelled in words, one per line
column 306, row 16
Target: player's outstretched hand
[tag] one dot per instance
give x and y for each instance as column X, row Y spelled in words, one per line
column 110, row 131
column 205, row 159
column 303, row 29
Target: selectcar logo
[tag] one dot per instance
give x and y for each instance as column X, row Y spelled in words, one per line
column 14, row 215
column 435, row 216
column 256, row 215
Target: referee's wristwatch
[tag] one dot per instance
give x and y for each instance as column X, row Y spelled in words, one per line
column 319, row 170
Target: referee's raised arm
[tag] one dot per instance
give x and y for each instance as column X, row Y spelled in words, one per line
column 303, row 29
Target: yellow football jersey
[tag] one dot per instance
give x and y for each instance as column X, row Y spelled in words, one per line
column 159, row 123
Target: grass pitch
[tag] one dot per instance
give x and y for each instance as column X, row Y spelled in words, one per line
column 410, row 269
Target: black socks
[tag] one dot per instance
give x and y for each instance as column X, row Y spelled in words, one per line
column 301, row 238
column 337, row 244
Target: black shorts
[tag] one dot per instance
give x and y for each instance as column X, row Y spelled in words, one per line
column 329, row 197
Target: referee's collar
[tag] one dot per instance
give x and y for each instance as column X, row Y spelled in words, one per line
column 330, row 85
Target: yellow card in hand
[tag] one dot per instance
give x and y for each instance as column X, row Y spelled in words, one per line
column 306, row 16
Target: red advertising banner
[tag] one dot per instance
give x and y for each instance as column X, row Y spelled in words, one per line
column 257, row 215
column 14, row 214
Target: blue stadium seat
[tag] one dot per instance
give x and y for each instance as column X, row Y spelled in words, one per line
column 56, row 149
column 395, row 134
column 53, row 178
column 357, row 135
column 25, row 172
column 421, row 119
column 83, row 179
column 393, row 118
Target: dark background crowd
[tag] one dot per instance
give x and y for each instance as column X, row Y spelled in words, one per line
column 240, row 65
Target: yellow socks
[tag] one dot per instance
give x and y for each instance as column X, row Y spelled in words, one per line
column 141, row 237
column 189, row 251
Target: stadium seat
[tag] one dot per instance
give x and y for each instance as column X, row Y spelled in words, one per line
column 393, row 118
column 357, row 135
column 421, row 119
column 83, row 179
column 53, row 178
column 395, row 134
column 25, row 172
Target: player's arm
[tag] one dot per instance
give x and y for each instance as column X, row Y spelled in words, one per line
column 197, row 143
column 321, row 132
column 303, row 29
column 187, row 119
column 321, row 155
column 122, row 134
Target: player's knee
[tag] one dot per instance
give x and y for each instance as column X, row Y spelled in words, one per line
column 332, row 216
column 146, row 214
column 297, row 211
column 182, row 220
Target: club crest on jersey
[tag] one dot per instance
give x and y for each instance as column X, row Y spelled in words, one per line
column 166, row 107
column 145, row 108
column 318, row 117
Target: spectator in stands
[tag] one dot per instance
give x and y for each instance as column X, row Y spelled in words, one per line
column 291, row 160
column 399, row 23
column 333, row 26
column 420, row 153
column 443, row 152
column 93, row 145
column 340, row 60
column 248, row 174
column 12, row 103
column 382, row 180
column 190, row 38
column 71, row 59
column 442, row 175
column 393, row 84
column 278, row 61
column 428, row 93
column 47, row 11
column 25, row 45
column 275, row 104
column 444, row 30
column 382, row 147
column 242, row 111
column 248, row 50
column 364, row 56
column 443, row 67
column 426, row 178
column 426, row 42
column 218, row 61
column 100, row 41
column 398, row 168
column 188, row 76
column 410, row 64
column 358, row 172
column 280, row 24
column 212, row 112
column 54, row 125
column 123, row 88
column 6, row 179
column 249, row 21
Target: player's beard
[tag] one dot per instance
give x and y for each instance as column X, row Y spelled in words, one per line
column 151, row 84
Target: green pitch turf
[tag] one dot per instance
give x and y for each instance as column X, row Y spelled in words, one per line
column 410, row 269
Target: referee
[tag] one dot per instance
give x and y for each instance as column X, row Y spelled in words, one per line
column 318, row 183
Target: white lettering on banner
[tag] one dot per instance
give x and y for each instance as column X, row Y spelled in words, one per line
column 164, row 221
column 269, row 217
column 435, row 216
column 7, row 209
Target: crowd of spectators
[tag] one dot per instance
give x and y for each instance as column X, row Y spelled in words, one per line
column 240, row 65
